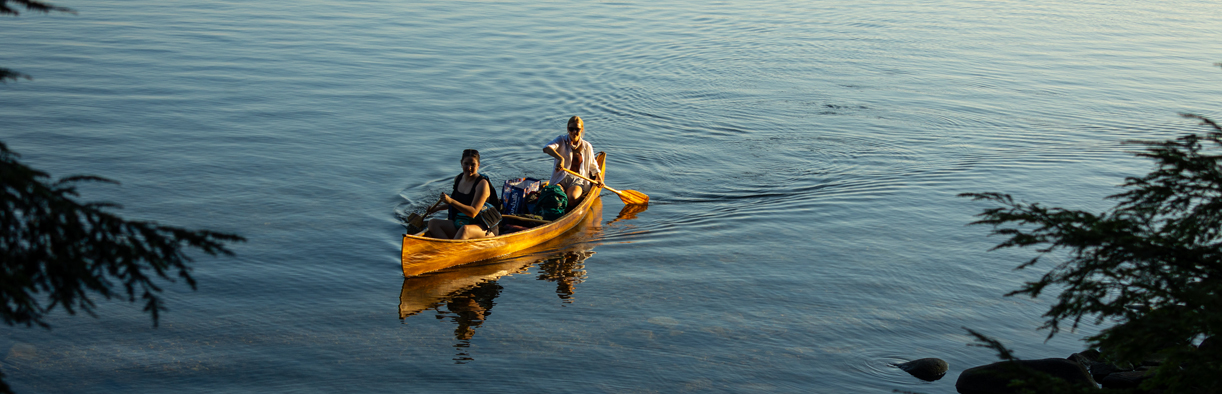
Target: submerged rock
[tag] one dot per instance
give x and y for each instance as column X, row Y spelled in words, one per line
column 927, row 369
column 21, row 350
column 991, row 379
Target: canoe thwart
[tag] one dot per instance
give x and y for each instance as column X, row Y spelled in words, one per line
column 526, row 219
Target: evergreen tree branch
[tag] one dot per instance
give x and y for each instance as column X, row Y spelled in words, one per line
column 1151, row 265
column 7, row 74
column 67, row 252
column 31, row 5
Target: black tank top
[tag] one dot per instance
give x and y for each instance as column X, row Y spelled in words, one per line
column 465, row 198
column 468, row 197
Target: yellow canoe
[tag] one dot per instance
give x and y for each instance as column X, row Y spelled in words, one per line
column 423, row 254
column 431, row 290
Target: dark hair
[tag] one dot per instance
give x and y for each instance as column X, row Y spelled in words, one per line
column 470, row 153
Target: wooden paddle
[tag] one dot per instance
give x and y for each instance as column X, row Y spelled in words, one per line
column 417, row 220
column 629, row 197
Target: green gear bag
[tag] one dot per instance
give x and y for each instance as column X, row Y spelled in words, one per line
column 552, row 202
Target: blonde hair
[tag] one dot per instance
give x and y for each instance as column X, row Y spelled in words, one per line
column 576, row 120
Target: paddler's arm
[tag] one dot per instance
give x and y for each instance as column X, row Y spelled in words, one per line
column 481, row 195
column 441, row 206
column 551, row 151
column 447, row 202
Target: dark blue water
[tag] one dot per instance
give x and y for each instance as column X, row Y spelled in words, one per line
column 802, row 158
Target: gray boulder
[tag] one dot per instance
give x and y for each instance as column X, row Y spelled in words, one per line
column 1124, row 380
column 1098, row 369
column 1089, row 354
column 927, row 369
column 992, row 378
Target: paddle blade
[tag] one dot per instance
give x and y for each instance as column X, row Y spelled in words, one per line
column 415, row 223
column 633, row 197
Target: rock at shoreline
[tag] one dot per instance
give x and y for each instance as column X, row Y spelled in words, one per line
column 927, row 369
column 987, row 379
column 1125, row 380
column 1089, row 354
column 1098, row 370
column 1207, row 344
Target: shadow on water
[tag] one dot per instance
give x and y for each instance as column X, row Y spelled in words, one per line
column 466, row 294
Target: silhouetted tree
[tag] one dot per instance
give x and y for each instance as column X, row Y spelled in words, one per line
column 32, row 5
column 66, row 249
column 57, row 252
column 55, row 247
column 1152, row 264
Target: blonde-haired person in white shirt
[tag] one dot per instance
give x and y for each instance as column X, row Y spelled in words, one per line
column 572, row 151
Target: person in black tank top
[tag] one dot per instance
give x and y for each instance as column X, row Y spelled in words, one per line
column 472, row 193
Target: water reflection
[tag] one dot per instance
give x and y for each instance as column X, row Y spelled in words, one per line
column 629, row 212
column 470, row 308
column 466, row 294
column 567, row 271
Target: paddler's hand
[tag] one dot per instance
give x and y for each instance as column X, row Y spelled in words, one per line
column 561, row 164
column 447, row 199
column 598, row 179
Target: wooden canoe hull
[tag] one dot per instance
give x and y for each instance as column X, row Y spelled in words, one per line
column 424, row 254
column 427, row 291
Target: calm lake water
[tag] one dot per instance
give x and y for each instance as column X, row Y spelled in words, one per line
column 802, row 157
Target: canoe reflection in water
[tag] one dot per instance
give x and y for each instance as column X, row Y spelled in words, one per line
column 466, row 294
column 567, row 271
column 470, row 308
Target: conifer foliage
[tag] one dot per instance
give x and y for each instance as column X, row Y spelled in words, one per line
column 57, row 252
column 55, row 247
column 7, row 8
column 1149, row 268
column 32, row 5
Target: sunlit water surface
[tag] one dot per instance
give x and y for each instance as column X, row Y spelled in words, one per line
column 802, row 157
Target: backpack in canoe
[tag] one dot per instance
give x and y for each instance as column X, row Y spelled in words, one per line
column 553, row 203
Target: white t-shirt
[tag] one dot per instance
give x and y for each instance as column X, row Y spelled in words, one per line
column 562, row 145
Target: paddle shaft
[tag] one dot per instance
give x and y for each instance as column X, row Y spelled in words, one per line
column 433, row 208
column 628, row 196
column 589, row 180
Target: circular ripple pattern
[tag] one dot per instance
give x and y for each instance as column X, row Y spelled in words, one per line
column 802, row 158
